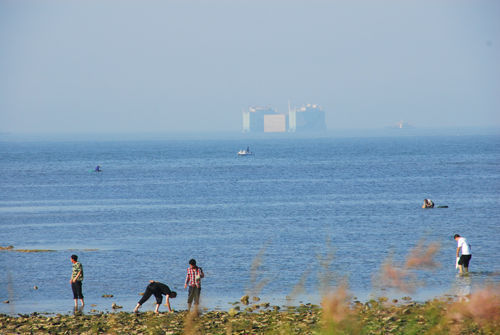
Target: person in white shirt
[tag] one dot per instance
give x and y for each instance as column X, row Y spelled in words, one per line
column 464, row 246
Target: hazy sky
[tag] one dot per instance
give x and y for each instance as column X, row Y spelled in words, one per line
column 140, row 66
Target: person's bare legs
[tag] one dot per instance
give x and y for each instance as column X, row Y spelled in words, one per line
column 136, row 309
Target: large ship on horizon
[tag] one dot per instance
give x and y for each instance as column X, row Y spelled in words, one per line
column 307, row 118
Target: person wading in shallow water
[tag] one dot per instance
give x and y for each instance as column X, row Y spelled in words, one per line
column 76, row 280
column 193, row 279
column 464, row 246
column 428, row 203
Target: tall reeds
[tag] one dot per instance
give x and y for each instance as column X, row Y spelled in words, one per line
column 401, row 276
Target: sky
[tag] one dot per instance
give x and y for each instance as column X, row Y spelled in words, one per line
column 190, row 66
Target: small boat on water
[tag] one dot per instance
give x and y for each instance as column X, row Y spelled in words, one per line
column 246, row 152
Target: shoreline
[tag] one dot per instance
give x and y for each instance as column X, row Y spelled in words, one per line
column 104, row 304
column 479, row 313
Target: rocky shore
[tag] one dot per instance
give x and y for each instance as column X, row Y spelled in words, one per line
column 480, row 314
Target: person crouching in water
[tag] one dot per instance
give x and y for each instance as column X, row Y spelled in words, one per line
column 157, row 289
column 428, row 203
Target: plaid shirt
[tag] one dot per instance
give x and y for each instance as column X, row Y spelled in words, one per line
column 191, row 277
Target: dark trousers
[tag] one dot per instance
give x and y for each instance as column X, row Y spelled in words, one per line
column 464, row 260
column 76, row 286
column 194, row 294
column 150, row 290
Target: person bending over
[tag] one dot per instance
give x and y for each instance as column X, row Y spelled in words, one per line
column 464, row 246
column 157, row 289
column 428, row 203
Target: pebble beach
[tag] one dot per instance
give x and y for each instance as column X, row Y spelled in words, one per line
column 478, row 314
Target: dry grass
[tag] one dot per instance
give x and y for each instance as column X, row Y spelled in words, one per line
column 422, row 256
column 395, row 276
column 326, row 277
column 191, row 321
column 337, row 305
column 257, row 279
column 401, row 276
column 299, row 288
column 483, row 308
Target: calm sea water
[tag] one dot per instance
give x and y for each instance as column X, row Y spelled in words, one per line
column 159, row 203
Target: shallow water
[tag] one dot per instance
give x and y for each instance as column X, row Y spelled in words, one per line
column 159, row 203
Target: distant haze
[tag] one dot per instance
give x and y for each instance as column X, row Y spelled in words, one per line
column 167, row 66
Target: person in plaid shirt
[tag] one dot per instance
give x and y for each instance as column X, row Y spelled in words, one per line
column 193, row 279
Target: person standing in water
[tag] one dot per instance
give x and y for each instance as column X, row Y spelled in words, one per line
column 76, row 280
column 464, row 247
column 193, row 279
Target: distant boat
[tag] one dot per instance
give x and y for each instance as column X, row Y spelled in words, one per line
column 246, row 152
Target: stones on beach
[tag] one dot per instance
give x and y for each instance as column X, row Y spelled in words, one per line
column 107, row 296
column 303, row 319
column 245, row 299
column 214, row 322
column 6, row 301
column 115, row 306
column 35, row 287
column 406, row 311
column 255, row 298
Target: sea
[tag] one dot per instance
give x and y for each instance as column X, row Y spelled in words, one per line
column 289, row 224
